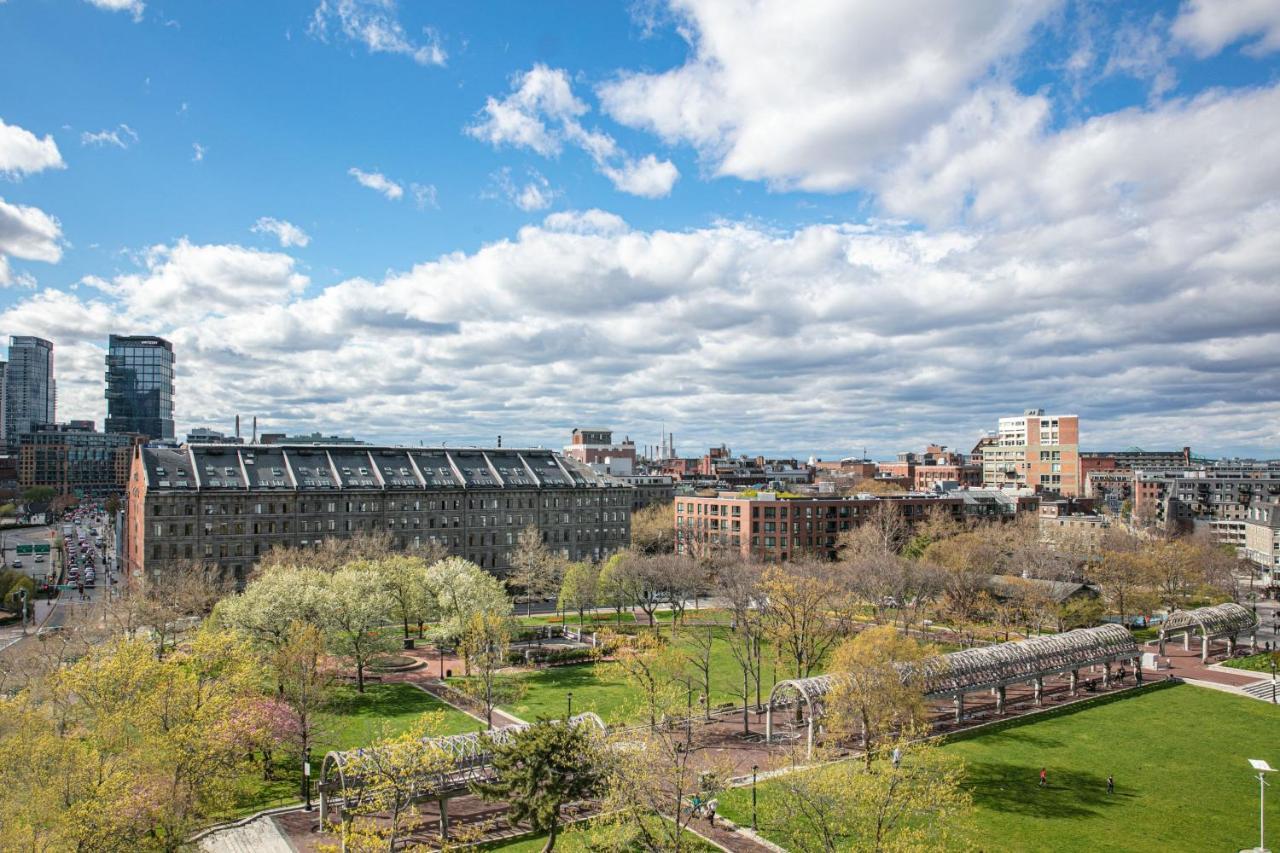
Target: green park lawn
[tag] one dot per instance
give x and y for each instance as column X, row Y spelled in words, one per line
column 1179, row 759
column 545, row 690
column 352, row 719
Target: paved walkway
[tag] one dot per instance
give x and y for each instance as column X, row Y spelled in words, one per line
column 260, row 835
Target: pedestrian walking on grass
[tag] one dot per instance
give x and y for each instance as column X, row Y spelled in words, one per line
column 1044, row 777
column 897, row 757
column 1111, row 784
column 712, row 805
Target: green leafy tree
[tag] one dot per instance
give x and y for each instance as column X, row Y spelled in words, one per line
column 540, row 770
column 580, row 588
column 460, row 589
column 616, row 588
column 355, row 609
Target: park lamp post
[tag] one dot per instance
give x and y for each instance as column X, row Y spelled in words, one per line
column 1263, row 769
column 755, row 768
column 306, row 776
column 568, row 711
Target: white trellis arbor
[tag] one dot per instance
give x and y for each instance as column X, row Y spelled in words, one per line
column 992, row 668
column 470, row 760
column 1221, row 621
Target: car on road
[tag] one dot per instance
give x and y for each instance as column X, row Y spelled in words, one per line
column 17, row 564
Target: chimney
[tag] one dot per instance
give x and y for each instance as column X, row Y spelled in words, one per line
column 237, row 426
column 255, row 429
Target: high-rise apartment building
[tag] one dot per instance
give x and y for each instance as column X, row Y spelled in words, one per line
column 30, row 393
column 140, row 386
column 1037, row 451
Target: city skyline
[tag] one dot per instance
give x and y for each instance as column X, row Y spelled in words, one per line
column 409, row 223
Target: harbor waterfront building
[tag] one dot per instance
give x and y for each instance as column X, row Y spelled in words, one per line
column 227, row 505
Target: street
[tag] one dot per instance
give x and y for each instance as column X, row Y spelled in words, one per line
column 84, row 556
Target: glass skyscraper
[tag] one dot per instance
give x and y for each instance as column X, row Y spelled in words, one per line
column 30, row 395
column 140, row 385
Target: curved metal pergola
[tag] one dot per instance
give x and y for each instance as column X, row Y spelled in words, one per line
column 1221, row 621
column 470, row 760
column 990, row 668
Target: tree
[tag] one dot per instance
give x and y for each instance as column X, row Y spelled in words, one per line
column 738, row 584
column 696, row 646
column 181, row 593
column 355, row 608
column 870, row 698
column 273, row 601
column 485, row 641
column 647, row 666
column 1123, row 576
column 616, row 587
column 652, row 773
column 406, row 582
column 38, row 494
column 580, row 588
column 883, row 532
column 798, row 618
column 653, row 529
column 642, row 575
column 533, row 567
column 460, row 589
column 920, row 804
column 542, row 768
column 391, row 773
column 304, row 680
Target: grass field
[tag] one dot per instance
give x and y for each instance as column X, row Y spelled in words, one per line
column 546, row 690
column 579, row 838
column 1179, row 759
column 352, row 719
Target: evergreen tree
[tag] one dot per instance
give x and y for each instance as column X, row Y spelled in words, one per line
column 539, row 770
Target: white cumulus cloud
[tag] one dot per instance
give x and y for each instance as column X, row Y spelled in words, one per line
column 1208, row 26
column 133, row 7
column 286, row 232
column 542, row 114
column 378, row 182
column 28, row 233
column 376, row 25
column 817, row 95
column 24, row 153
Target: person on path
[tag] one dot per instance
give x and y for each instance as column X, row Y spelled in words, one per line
column 695, row 806
column 1044, row 777
column 897, row 757
column 712, row 805
column 1111, row 784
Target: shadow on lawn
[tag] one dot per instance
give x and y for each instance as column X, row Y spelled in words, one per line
column 379, row 700
column 1015, row 788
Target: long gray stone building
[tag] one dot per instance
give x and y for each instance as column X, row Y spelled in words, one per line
column 228, row 505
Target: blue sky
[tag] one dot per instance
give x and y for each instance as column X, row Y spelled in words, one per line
column 806, row 229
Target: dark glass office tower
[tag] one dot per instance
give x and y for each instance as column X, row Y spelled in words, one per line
column 30, row 394
column 140, row 385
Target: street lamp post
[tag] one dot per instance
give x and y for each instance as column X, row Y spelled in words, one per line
column 1263, row 769
column 568, row 711
column 754, row 769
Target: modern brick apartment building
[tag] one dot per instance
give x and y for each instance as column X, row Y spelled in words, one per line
column 772, row 528
column 227, row 505
column 1036, row 451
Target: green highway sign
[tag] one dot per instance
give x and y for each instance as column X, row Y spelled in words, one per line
column 42, row 549
column 25, row 549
